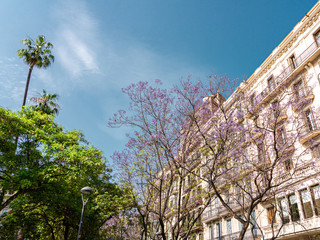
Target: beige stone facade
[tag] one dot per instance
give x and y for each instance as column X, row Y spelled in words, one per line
column 289, row 76
column 293, row 66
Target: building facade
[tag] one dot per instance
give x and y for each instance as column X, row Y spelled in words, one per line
column 288, row 83
column 291, row 73
column 270, row 175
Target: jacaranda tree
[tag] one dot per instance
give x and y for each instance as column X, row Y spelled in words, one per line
column 192, row 151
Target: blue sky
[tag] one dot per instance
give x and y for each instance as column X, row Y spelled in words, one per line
column 102, row 46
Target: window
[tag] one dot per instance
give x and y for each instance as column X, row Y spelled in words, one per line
column 284, row 211
column 309, row 118
column 315, row 191
column 219, row 233
column 229, row 226
column 261, row 157
column 316, row 151
column 211, row 232
column 288, row 164
column 271, row 215
column 306, row 203
column 254, row 223
column 227, row 196
column 317, row 37
column 294, row 210
column 299, row 89
column 281, row 137
column 210, row 209
column 293, row 62
column 217, row 205
column 240, row 225
column 253, row 100
column 248, row 187
column 238, row 194
column 275, row 108
column 271, row 83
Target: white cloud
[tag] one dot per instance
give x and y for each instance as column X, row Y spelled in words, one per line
column 12, row 82
column 75, row 38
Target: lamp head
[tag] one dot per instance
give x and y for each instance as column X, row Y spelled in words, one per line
column 86, row 190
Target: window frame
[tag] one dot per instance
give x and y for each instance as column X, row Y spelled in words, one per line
column 294, row 208
column 305, row 211
column 310, row 121
column 271, row 81
column 316, row 204
column 271, row 214
column 292, row 61
column 317, row 39
column 284, row 208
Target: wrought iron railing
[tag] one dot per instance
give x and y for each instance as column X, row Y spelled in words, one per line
column 309, row 130
column 302, row 98
column 283, row 76
column 235, row 236
column 217, row 211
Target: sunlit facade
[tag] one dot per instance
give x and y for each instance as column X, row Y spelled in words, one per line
column 293, row 66
column 293, row 212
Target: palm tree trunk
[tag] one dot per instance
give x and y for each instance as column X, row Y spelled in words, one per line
column 27, row 85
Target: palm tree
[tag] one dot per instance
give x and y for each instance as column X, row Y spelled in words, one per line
column 46, row 103
column 37, row 53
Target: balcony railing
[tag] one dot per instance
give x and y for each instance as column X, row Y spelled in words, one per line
column 302, row 98
column 214, row 212
column 283, row 76
column 235, row 236
column 309, row 131
column 196, row 226
column 277, row 118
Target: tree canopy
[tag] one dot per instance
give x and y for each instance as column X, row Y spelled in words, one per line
column 41, row 175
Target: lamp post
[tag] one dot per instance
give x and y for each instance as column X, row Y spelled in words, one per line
column 88, row 191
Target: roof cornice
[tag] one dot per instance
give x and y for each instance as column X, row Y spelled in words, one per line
column 285, row 45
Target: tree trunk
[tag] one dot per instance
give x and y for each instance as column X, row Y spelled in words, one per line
column 66, row 232
column 27, row 85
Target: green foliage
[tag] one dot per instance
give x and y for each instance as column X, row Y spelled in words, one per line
column 41, row 175
column 37, row 53
column 46, row 103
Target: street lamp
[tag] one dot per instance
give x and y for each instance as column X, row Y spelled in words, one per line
column 88, row 191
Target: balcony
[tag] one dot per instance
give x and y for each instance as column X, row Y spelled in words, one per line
column 302, row 99
column 175, row 189
column 194, row 201
column 239, row 116
column 310, row 131
column 214, row 213
column 197, row 226
column 288, row 73
column 235, row 236
column 278, row 118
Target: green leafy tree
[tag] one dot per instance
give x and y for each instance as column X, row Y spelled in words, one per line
column 46, row 103
column 41, row 177
column 37, row 53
